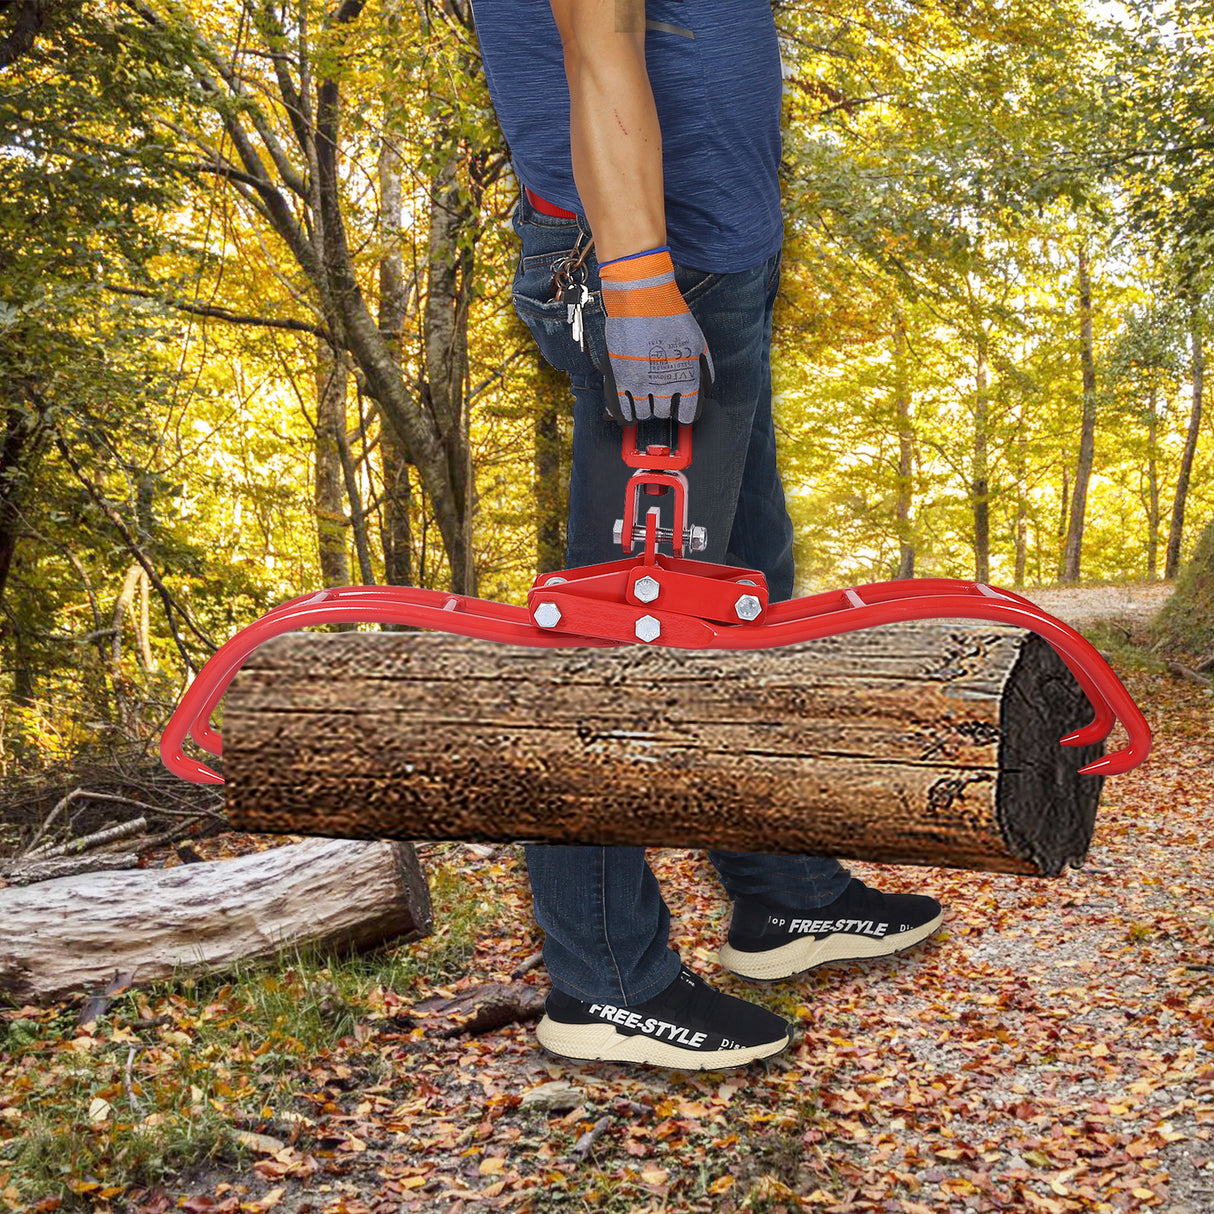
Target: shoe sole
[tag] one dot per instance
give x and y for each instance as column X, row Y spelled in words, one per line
column 808, row 953
column 603, row 1043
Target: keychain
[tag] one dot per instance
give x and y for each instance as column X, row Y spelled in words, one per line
column 573, row 293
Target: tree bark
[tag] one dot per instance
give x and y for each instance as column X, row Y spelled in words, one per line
column 445, row 320
column 982, row 510
column 358, row 516
column 28, row 18
column 551, row 496
column 1176, row 532
column 906, row 434
column 1087, row 436
column 21, row 445
column 481, row 1009
column 75, row 932
column 1153, row 481
column 1021, row 500
column 394, row 296
column 331, row 386
column 1062, row 517
column 918, row 743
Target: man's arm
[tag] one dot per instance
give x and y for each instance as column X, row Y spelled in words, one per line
column 614, row 134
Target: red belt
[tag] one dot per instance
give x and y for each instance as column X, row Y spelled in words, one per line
column 548, row 208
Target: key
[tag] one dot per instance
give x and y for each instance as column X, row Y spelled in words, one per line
column 574, row 313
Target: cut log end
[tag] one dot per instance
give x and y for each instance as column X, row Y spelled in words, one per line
column 1045, row 810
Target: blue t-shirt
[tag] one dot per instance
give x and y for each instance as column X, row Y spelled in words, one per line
column 718, row 101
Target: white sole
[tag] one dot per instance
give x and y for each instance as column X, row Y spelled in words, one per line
column 807, row 953
column 601, row 1042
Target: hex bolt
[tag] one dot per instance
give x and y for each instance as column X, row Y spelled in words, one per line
column 547, row 615
column 646, row 589
column 617, row 533
column 648, row 629
column 747, row 607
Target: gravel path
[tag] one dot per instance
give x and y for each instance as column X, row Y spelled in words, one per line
column 1083, row 604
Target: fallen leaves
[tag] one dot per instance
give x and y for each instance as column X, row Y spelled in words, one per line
column 1052, row 1051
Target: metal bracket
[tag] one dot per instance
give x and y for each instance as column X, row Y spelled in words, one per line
column 665, row 600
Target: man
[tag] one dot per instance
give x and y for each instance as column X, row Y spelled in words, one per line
column 658, row 133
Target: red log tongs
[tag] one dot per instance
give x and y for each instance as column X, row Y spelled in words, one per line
column 657, row 599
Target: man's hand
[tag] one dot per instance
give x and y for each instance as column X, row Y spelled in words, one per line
column 658, row 356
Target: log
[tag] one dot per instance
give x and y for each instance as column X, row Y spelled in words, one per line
column 480, row 1009
column 923, row 742
column 75, row 932
column 1191, row 676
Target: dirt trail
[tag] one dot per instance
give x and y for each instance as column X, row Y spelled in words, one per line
column 1083, row 604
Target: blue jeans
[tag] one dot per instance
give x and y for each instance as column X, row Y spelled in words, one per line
column 605, row 922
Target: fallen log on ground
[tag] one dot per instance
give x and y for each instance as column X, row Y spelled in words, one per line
column 480, row 1009
column 76, row 932
column 925, row 742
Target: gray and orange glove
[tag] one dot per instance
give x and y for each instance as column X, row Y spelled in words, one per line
column 658, row 358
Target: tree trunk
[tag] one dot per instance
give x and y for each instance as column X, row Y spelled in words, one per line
column 146, row 657
column 1021, row 500
column 913, row 743
column 21, row 445
column 551, row 497
column 982, row 516
column 449, row 270
column 394, row 294
column 905, row 491
column 1062, row 516
column 331, row 385
column 1087, row 436
column 1153, row 482
column 1176, row 531
column 75, row 932
column 358, row 516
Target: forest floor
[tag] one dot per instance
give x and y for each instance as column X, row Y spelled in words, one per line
column 1050, row 1049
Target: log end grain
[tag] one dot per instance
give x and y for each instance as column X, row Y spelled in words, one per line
column 1045, row 811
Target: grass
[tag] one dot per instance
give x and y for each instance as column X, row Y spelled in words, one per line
column 121, row 1108
column 1126, row 647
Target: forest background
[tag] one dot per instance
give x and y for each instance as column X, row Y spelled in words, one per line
column 256, row 338
column 256, row 334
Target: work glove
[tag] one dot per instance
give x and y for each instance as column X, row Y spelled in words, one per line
column 658, row 358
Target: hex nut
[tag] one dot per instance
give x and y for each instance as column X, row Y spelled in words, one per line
column 698, row 539
column 547, row 615
column 748, row 607
column 560, row 581
column 646, row 589
column 648, row 628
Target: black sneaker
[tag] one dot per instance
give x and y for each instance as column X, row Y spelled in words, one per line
column 690, row 1026
column 767, row 942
